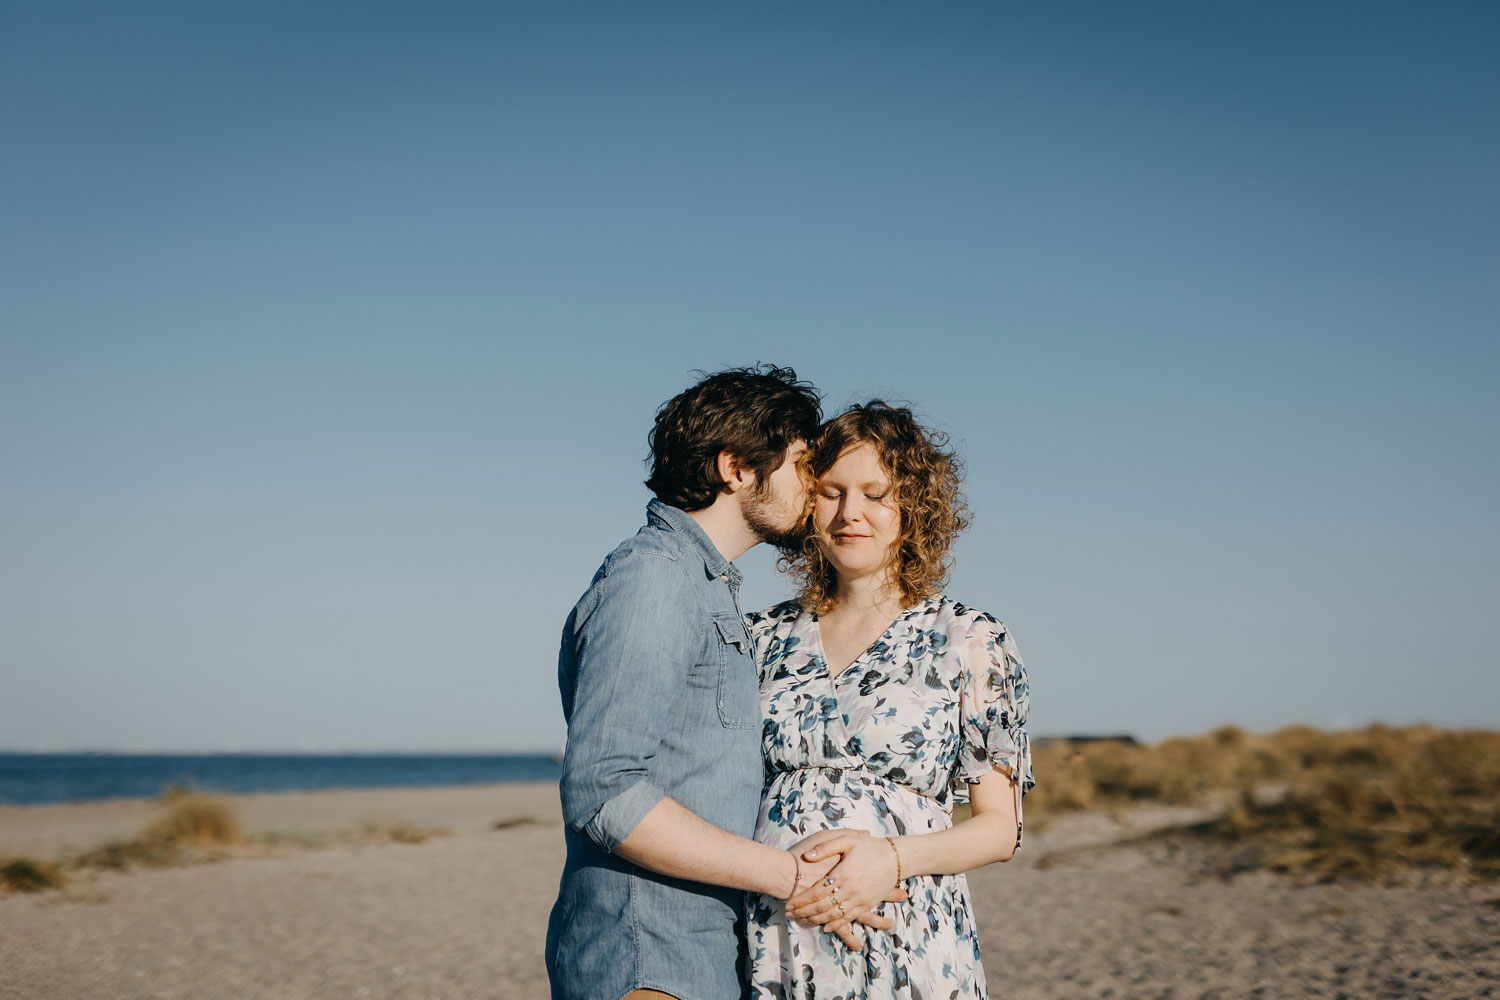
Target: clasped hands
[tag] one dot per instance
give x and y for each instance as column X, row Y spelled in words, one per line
column 845, row 875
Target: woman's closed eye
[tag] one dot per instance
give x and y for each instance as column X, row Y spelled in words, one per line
column 832, row 494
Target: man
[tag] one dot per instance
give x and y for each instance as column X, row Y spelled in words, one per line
column 662, row 776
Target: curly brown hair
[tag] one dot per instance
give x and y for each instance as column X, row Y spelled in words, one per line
column 926, row 476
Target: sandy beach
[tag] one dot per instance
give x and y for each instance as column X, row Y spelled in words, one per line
column 1078, row 914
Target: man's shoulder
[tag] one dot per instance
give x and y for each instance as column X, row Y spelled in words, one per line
column 651, row 565
column 648, row 544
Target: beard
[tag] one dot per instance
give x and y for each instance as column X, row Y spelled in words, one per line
column 769, row 520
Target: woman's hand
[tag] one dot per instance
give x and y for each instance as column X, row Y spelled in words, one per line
column 864, row 878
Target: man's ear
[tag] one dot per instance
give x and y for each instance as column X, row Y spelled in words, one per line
column 735, row 476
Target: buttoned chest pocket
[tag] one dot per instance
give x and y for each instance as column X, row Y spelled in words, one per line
column 739, row 689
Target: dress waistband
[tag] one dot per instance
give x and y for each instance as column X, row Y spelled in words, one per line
column 857, row 769
column 831, row 769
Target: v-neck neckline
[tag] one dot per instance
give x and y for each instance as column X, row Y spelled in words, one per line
column 817, row 629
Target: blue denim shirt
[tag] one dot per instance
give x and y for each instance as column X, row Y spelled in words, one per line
column 660, row 693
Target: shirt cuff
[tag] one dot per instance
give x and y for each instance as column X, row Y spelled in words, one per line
column 621, row 814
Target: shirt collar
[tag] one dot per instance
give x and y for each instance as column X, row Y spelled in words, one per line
column 714, row 564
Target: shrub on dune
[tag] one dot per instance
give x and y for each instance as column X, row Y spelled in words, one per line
column 190, row 824
column 29, row 875
column 195, row 821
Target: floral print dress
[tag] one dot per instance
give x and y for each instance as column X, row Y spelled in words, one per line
column 889, row 745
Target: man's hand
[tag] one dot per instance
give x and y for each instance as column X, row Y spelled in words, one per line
column 813, row 872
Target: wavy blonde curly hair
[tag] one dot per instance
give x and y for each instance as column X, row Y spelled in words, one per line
column 926, row 477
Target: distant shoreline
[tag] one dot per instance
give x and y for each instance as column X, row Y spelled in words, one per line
column 278, row 753
column 32, row 779
column 132, row 800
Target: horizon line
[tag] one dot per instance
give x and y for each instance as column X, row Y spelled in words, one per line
column 299, row 752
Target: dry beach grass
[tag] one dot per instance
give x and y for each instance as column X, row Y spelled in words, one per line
column 192, row 828
column 1179, row 870
column 1366, row 804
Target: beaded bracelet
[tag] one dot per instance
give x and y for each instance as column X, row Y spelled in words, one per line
column 897, row 853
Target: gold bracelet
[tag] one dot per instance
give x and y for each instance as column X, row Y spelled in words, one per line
column 796, row 873
column 897, row 853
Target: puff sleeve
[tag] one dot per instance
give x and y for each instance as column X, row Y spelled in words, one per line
column 993, row 705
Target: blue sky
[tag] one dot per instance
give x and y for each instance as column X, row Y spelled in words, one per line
column 332, row 334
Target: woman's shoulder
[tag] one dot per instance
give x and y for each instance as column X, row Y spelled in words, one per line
column 965, row 620
column 761, row 622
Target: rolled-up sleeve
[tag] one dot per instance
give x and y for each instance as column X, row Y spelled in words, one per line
column 633, row 644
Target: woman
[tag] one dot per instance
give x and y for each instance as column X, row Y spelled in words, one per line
column 885, row 702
